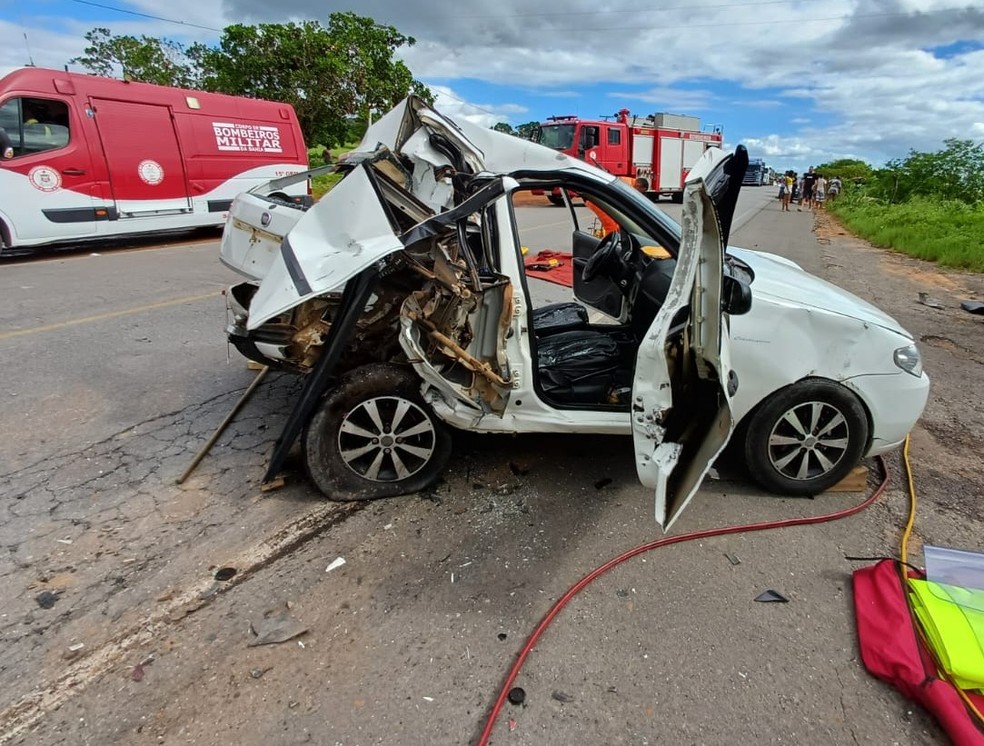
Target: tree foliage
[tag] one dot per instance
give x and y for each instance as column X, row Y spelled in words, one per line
column 954, row 173
column 325, row 73
column 504, row 127
column 848, row 169
column 144, row 59
column 331, row 74
column 527, row 130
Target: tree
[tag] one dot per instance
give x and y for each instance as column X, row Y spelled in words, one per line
column 327, row 73
column 848, row 169
column 528, row 130
column 956, row 172
column 143, row 59
column 504, row 127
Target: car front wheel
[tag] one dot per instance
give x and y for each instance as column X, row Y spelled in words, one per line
column 806, row 438
column 374, row 436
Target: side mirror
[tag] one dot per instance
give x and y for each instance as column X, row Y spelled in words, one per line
column 736, row 297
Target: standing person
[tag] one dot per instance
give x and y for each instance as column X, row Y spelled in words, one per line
column 783, row 199
column 819, row 192
column 834, row 187
column 809, row 179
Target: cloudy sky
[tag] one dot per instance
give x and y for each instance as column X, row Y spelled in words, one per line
column 798, row 82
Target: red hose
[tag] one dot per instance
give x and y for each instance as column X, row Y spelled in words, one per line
column 612, row 563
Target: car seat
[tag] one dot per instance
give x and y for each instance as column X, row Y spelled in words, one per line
column 559, row 317
column 578, row 367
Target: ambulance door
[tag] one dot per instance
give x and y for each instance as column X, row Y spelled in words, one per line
column 49, row 191
column 146, row 168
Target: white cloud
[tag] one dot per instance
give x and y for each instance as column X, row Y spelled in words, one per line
column 866, row 67
column 485, row 115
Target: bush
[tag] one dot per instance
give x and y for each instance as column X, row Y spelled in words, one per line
column 945, row 231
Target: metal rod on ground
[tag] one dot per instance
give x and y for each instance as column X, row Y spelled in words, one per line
column 223, row 425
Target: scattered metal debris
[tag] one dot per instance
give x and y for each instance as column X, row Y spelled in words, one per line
column 257, row 673
column 734, row 559
column 973, row 306
column 335, row 564
column 275, row 629
column 770, row 596
column 562, row 696
column 225, row 573
column 925, row 300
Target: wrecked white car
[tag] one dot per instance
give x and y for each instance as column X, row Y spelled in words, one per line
column 402, row 296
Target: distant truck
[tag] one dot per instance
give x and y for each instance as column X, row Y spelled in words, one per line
column 661, row 148
column 95, row 157
column 757, row 173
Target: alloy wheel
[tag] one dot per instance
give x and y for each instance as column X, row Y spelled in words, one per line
column 386, row 439
column 809, row 440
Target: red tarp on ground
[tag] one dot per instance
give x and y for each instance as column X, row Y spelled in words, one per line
column 892, row 651
column 562, row 274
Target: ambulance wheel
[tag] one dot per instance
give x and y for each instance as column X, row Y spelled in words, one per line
column 374, row 436
column 677, row 198
column 806, row 438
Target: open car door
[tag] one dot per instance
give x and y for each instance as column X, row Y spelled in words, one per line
column 681, row 393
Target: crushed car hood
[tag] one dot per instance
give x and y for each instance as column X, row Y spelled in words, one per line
column 786, row 281
column 348, row 229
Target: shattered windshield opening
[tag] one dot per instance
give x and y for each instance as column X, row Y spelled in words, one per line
column 557, row 136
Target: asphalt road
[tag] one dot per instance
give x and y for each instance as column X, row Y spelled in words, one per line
column 115, row 373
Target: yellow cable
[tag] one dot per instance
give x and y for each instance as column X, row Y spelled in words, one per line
column 904, row 554
column 912, row 504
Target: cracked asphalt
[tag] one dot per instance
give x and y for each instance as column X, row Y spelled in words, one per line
column 115, row 374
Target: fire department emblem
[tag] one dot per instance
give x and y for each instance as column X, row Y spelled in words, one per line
column 44, row 178
column 151, row 172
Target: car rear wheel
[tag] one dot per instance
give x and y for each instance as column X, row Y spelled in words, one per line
column 806, row 438
column 374, row 436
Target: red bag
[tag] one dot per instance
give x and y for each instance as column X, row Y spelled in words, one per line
column 892, row 651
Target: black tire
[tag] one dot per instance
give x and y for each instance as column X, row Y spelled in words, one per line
column 677, row 198
column 351, row 448
column 556, row 200
column 782, row 450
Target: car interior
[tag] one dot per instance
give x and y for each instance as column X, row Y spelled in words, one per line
column 625, row 274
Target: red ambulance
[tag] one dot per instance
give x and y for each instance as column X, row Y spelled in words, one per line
column 94, row 157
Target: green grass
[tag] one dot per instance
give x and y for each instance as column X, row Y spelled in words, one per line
column 321, row 185
column 949, row 233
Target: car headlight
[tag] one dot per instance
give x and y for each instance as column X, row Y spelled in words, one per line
column 909, row 360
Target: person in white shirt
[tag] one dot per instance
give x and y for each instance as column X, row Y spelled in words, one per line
column 819, row 192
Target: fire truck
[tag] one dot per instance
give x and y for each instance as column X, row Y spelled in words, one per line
column 661, row 148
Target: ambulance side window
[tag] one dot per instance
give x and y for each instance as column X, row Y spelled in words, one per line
column 35, row 125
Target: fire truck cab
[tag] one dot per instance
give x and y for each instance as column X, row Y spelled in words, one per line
column 660, row 148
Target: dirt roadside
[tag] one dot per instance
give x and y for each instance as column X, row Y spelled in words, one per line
column 408, row 640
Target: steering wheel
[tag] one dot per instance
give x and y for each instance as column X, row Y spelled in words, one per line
column 606, row 252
